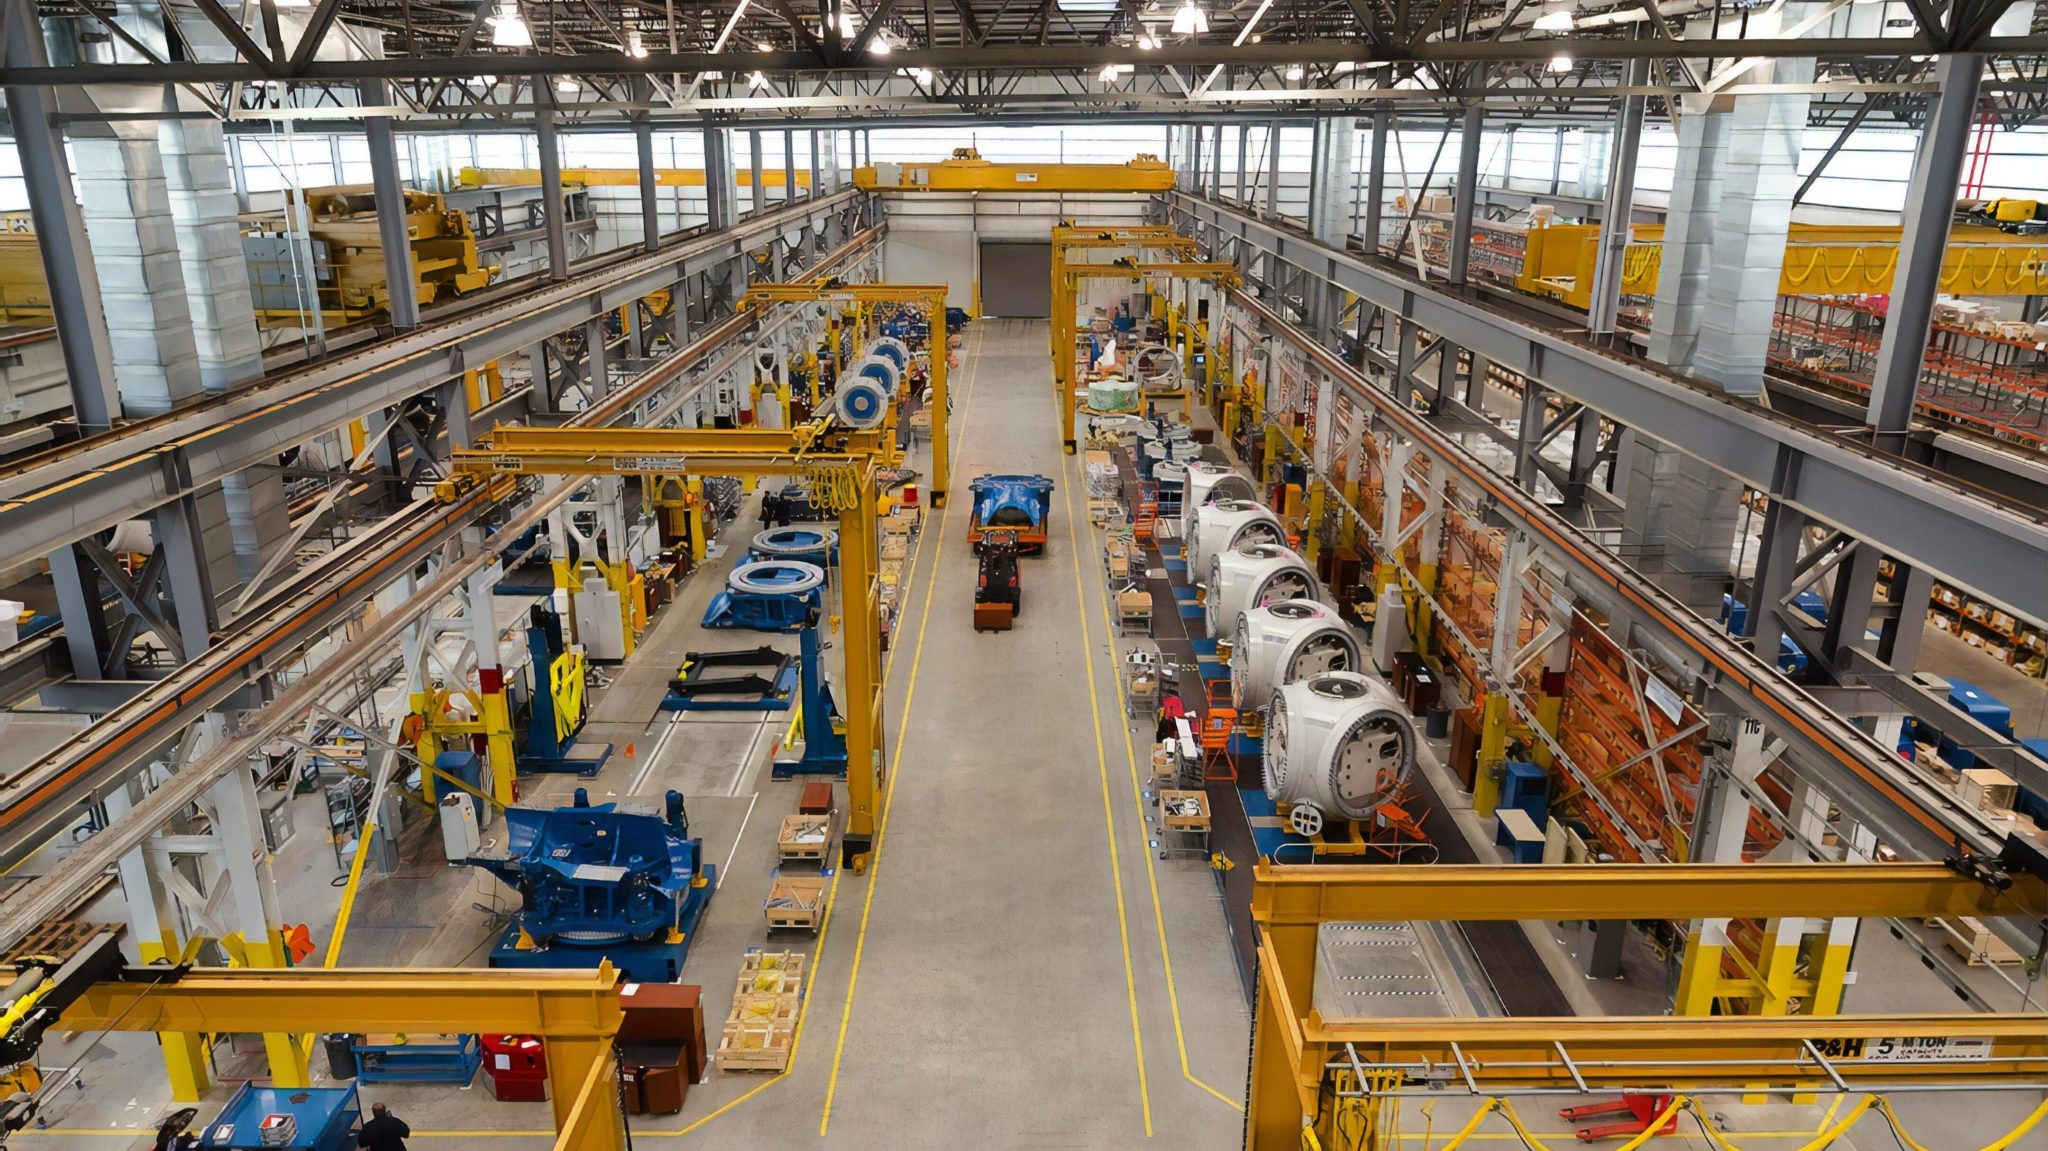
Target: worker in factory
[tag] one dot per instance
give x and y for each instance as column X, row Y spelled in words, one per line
column 1170, row 709
column 384, row 1131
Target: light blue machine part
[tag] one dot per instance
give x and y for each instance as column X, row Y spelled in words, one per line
column 1016, row 501
column 768, row 595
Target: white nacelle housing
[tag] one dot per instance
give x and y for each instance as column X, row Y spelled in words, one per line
column 1337, row 745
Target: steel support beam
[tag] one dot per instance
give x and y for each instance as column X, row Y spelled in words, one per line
column 82, row 489
column 1370, row 220
column 401, row 281
column 60, row 230
column 1618, row 206
column 1904, row 509
column 547, row 143
column 1465, row 196
column 650, row 195
column 1930, row 203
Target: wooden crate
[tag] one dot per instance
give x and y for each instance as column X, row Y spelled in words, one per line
column 752, row 1047
column 765, row 1010
column 796, row 902
column 1986, row 789
column 59, row 940
column 805, row 838
column 771, row 973
column 1973, row 941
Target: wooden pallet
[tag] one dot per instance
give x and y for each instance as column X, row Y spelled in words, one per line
column 759, row 1009
column 805, row 838
column 59, row 940
column 748, row 1048
column 796, row 902
column 772, row 972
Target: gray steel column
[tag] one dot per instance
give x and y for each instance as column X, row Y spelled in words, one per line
column 1465, row 198
column 60, row 230
column 1930, row 201
column 788, row 166
column 401, row 281
column 186, row 574
column 650, row 191
column 757, row 196
column 83, row 611
column 1777, row 560
column 1244, row 144
column 597, row 358
column 1332, row 184
column 817, row 173
column 1376, row 182
column 1618, row 206
column 453, row 397
column 718, row 185
column 1215, row 187
column 1273, row 170
column 550, row 177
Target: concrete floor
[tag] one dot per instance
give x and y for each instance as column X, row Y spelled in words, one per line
column 1017, row 969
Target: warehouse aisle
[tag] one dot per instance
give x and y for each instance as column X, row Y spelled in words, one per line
column 1004, row 975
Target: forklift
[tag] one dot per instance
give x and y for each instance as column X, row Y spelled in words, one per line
column 998, row 599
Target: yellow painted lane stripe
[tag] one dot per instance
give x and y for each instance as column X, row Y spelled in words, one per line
column 1123, row 923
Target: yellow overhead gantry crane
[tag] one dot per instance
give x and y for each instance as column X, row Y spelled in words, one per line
column 1141, row 238
column 930, row 297
column 1310, row 1075
column 1066, row 286
column 839, row 465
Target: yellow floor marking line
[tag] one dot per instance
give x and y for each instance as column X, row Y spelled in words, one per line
column 938, row 526
column 1152, row 866
column 1116, row 871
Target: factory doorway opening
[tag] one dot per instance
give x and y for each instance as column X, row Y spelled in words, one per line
column 1016, row 280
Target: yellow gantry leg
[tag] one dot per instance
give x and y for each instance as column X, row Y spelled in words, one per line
column 861, row 638
column 184, row 1051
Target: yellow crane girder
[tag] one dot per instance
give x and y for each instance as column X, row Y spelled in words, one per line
column 809, row 449
column 932, row 298
column 966, row 171
column 1066, row 280
column 622, row 177
column 1298, row 1055
column 576, row 1012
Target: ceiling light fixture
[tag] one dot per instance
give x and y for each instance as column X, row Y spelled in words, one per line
column 763, row 46
column 1560, row 63
column 921, row 75
column 757, row 80
column 879, row 46
column 1555, row 20
column 1189, row 20
column 634, row 47
column 508, row 28
column 566, row 85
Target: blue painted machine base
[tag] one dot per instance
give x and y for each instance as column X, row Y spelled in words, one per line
column 653, row 961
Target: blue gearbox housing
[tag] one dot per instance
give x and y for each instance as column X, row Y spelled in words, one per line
column 605, row 874
column 1012, row 503
column 778, row 595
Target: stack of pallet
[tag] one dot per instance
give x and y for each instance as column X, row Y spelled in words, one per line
column 760, row 1033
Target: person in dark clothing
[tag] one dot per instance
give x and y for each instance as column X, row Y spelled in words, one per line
column 384, row 1131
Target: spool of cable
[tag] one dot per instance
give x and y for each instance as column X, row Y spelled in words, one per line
column 861, row 403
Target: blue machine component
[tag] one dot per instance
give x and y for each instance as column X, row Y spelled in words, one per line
column 453, row 1059
column 1526, row 786
column 602, row 882
column 768, row 595
column 1791, row 657
column 326, row 1119
column 2027, row 803
column 956, row 319
column 1122, row 320
column 819, row 546
column 1015, row 503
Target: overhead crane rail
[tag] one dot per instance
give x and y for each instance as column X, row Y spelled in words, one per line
column 65, row 494
column 52, row 790
column 1934, row 820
